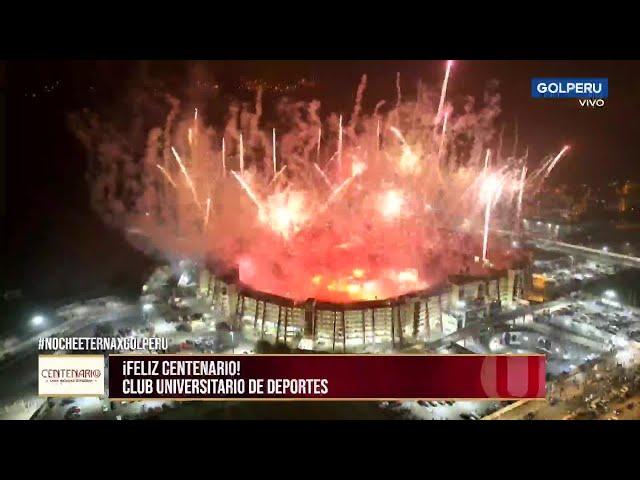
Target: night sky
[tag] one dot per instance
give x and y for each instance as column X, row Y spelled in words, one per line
column 57, row 247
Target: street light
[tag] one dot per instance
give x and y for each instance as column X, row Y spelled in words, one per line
column 37, row 320
column 610, row 294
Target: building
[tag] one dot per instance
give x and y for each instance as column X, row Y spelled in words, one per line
column 409, row 319
column 629, row 197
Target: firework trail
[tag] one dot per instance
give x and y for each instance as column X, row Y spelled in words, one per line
column 206, row 215
column 273, row 155
column 338, row 190
column 443, row 134
column 241, row 156
column 491, row 190
column 487, row 159
column 323, row 175
column 247, row 189
column 555, row 160
column 319, row 141
column 520, row 193
column 443, row 92
column 167, row 176
column 224, row 165
column 340, row 146
column 277, row 175
column 187, row 178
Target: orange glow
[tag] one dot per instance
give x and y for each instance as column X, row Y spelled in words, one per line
column 410, row 275
column 358, row 273
column 353, row 288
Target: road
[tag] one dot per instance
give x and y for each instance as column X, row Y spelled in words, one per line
column 73, row 326
column 499, row 319
column 601, row 256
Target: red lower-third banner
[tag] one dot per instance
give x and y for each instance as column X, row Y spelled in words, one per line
column 326, row 377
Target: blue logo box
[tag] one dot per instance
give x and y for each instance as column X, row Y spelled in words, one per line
column 570, row 87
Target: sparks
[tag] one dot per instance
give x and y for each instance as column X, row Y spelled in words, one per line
column 555, row 160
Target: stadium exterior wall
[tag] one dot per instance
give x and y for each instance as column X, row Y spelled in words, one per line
column 416, row 317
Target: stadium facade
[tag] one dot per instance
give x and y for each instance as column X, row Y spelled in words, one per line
column 416, row 317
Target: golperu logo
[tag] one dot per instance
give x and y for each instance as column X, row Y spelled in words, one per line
column 71, row 375
column 511, row 376
column 590, row 92
column 586, row 88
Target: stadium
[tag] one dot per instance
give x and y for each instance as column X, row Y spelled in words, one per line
column 419, row 316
